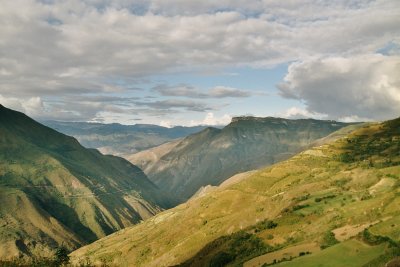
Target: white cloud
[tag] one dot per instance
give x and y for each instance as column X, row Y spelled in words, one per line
column 166, row 123
column 56, row 48
column 211, row 119
column 225, row 91
column 300, row 113
column 32, row 106
column 185, row 90
column 93, row 41
column 365, row 86
column 354, row 118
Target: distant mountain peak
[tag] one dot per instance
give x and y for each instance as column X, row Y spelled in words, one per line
column 257, row 119
column 246, row 118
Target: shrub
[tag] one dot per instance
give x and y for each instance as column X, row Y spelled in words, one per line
column 319, row 199
column 61, row 256
column 221, row 259
column 299, row 207
column 266, row 224
column 328, row 240
column 346, row 158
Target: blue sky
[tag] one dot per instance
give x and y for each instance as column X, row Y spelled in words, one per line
column 186, row 62
column 264, row 99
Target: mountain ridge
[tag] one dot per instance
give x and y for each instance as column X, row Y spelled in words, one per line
column 55, row 191
column 119, row 139
column 213, row 155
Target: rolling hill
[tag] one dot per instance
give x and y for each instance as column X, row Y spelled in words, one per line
column 211, row 156
column 53, row 191
column 121, row 140
column 337, row 204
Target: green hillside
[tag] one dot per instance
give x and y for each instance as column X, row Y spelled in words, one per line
column 53, row 191
column 337, row 204
column 213, row 155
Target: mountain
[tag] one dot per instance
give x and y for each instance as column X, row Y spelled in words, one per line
column 53, row 191
column 337, row 204
column 121, row 140
column 213, row 155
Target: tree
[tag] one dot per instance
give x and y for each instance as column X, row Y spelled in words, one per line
column 62, row 257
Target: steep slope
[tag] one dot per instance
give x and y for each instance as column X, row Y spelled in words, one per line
column 121, row 140
column 213, row 155
column 55, row 191
column 337, row 204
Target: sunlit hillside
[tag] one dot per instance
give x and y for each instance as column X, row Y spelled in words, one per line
column 337, row 204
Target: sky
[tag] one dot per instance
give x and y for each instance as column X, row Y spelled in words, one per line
column 187, row 62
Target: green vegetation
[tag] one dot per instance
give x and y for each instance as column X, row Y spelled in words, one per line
column 263, row 225
column 351, row 253
column 371, row 147
column 61, row 256
column 328, row 240
column 372, row 239
column 231, row 250
column 319, row 199
column 389, row 228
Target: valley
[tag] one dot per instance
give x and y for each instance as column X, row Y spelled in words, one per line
column 342, row 184
column 120, row 140
column 213, row 155
column 333, row 191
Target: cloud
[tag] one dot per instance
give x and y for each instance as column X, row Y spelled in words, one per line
column 178, row 90
column 53, row 49
column 211, row 119
column 365, row 86
column 185, row 90
column 354, row 118
column 73, row 55
column 166, row 123
column 224, row 91
column 176, row 103
column 300, row 113
column 32, row 106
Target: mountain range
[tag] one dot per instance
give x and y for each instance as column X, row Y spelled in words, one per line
column 336, row 204
column 258, row 192
column 120, row 140
column 211, row 156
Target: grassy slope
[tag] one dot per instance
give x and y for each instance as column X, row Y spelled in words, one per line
column 351, row 253
column 55, row 191
column 308, row 196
